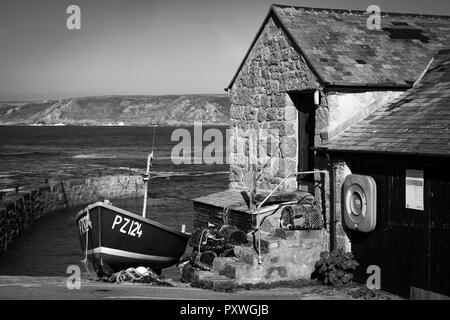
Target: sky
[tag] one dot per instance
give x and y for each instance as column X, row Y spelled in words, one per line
column 145, row 47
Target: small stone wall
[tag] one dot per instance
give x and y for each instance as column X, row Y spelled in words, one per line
column 285, row 256
column 108, row 187
column 18, row 210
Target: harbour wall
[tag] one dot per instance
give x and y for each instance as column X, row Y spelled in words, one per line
column 18, row 210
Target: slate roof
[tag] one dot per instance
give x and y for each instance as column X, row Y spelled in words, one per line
column 342, row 51
column 417, row 123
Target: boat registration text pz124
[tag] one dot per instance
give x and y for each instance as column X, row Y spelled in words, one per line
column 84, row 224
column 127, row 226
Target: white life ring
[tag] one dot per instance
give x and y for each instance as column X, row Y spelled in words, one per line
column 359, row 202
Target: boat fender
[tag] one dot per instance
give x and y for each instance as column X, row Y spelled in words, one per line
column 142, row 271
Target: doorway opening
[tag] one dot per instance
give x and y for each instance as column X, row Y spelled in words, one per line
column 304, row 102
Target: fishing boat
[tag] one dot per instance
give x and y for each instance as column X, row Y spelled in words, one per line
column 114, row 239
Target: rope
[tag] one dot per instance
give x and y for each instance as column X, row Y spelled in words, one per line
column 85, row 260
column 225, row 216
column 200, row 243
column 124, row 275
column 201, row 265
column 196, row 262
column 132, row 275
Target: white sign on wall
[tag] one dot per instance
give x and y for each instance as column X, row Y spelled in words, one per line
column 414, row 189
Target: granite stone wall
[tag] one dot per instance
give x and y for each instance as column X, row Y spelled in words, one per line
column 264, row 120
column 341, row 171
column 262, row 110
column 18, row 210
column 107, row 187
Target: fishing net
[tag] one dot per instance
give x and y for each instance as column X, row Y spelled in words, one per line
column 208, row 243
column 137, row 275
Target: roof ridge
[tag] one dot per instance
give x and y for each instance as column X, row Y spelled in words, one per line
column 348, row 74
column 350, row 11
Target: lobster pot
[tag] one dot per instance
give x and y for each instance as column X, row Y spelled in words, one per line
column 233, row 235
column 301, row 217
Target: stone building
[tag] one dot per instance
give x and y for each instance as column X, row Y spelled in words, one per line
column 311, row 81
column 311, row 73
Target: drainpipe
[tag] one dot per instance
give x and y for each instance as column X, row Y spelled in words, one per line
column 332, row 205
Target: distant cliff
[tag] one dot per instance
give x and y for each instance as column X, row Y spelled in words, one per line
column 119, row 110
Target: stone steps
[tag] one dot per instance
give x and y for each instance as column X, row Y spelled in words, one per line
column 285, row 254
column 207, row 279
column 286, row 239
column 242, row 272
column 289, row 258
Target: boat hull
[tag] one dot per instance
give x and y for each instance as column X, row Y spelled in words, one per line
column 115, row 239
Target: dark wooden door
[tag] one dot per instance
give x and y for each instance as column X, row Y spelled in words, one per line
column 304, row 103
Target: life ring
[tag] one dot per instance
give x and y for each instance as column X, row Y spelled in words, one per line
column 359, row 202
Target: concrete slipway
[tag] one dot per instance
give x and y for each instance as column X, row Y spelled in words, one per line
column 35, row 266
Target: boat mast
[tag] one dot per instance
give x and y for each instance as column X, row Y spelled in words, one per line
column 146, row 178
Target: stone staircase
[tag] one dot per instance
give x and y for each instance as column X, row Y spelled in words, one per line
column 285, row 255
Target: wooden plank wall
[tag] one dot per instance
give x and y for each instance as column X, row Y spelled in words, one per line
column 411, row 247
column 204, row 213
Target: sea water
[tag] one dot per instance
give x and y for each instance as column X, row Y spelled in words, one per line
column 32, row 154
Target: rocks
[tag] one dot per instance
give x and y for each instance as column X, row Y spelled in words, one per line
column 220, row 263
column 272, row 114
column 265, row 101
column 290, row 113
column 206, row 279
column 283, row 259
column 289, row 147
column 106, row 187
column 118, row 110
column 262, row 115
